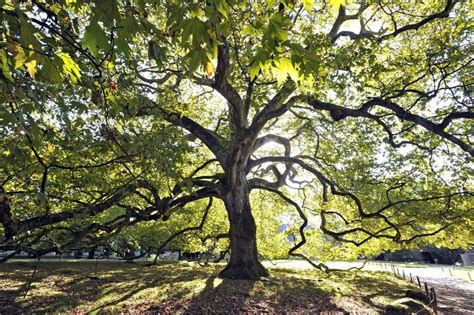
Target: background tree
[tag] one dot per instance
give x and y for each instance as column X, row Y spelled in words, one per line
column 353, row 114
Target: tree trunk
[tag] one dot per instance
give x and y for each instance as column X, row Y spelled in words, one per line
column 243, row 263
column 91, row 254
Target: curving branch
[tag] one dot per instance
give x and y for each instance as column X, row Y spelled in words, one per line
column 394, row 228
column 207, row 136
column 338, row 112
column 31, row 241
column 275, row 107
column 280, row 177
column 273, row 138
column 304, row 224
column 99, row 206
column 159, row 207
column 180, row 232
column 334, row 34
column 415, row 26
column 342, row 17
column 221, row 85
column 302, row 227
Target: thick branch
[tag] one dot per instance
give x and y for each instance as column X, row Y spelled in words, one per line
column 338, row 112
column 334, row 34
column 415, row 26
column 275, row 107
column 343, row 17
column 207, row 136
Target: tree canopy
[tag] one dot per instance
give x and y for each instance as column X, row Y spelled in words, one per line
column 349, row 121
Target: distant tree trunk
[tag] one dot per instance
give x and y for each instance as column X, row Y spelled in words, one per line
column 243, row 263
column 91, row 253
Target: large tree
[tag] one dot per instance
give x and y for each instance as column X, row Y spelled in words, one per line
column 356, row 114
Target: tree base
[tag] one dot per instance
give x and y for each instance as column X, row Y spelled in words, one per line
column 253, row 271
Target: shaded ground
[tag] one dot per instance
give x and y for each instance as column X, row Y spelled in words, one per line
column 454, row 289
column 188, row 288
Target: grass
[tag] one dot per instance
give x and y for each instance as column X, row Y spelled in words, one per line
column 113, row 287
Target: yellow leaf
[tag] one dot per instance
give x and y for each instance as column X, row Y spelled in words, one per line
column 209, row 68
column 285, row 68
column 70, row 67
column 31, row 68
column 337, row 3
column 308, row 5
column 20, row 57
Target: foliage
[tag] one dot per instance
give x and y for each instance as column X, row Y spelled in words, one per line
column 121, row 119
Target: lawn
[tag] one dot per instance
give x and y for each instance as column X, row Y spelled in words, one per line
column 112, row 287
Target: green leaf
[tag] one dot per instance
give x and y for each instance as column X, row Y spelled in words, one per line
column 106, row 11
column 197, row 29
column 254, row 70
column 270, row 4
column 27, row 36
column 5, row 67
column 51, row 73
column 257, row 63
column 195, row 60
column 95, row 38
column 16, row 151
column 278, row 27
column 223, row 8
column 41, row 199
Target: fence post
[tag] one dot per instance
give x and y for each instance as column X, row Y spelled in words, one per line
column 411, row 278
column 427, row 291
column 450, row 272
column 434, row 298
column 469, row 274
column 419, row 283
column 403, row 274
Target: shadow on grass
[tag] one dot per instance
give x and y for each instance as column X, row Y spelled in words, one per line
column 270, row 295
column 63, row 286
column 371, row 286
column 7, row 302
column 119, row 287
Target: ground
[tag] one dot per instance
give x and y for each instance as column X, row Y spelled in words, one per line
column 113, row 287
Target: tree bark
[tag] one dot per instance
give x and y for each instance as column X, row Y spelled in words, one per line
column 243, row 263
column 91, row 254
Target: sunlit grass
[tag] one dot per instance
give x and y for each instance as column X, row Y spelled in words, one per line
column 116, row 287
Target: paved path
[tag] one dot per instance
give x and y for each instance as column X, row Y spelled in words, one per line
column 455, row 295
